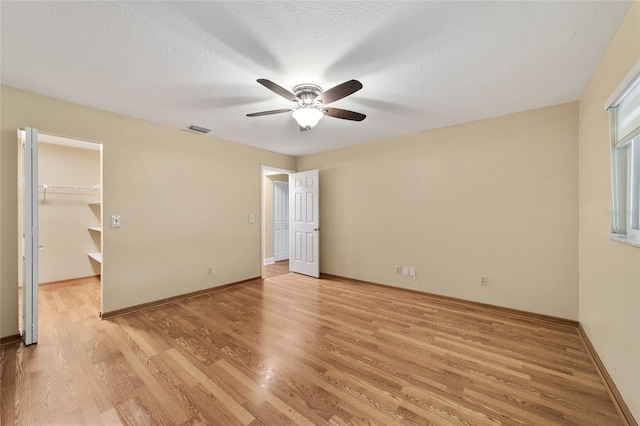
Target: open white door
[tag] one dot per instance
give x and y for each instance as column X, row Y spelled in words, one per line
column 304, row 219
column 28, row 179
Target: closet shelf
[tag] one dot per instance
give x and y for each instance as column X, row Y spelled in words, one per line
column 94, row 203
column 72, row 187
column 95, row 228
column 97, row 256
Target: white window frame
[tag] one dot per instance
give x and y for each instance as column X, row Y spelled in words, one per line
column 625, row 160
column 633, row 190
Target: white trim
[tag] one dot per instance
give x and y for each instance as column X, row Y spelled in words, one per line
column 269, row 261
column 627, row 83
column 625, row 240
column 28, row 139
column 69, row 141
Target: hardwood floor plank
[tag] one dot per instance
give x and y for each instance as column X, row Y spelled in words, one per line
column 279, row 268
column 272, row 416
column 134, row 413
column 156, row 396
column 110, row 417
column 296, row 350
column 137, row 336
column 229, row 403
column 212, row 411
column 262, row 394
column 8, row 375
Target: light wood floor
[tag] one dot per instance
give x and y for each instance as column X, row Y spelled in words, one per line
column 279, row 268
column 295, row 350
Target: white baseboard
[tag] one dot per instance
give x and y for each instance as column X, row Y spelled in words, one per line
column 269, row 261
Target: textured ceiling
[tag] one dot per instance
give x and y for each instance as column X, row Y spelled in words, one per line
column 423, row 64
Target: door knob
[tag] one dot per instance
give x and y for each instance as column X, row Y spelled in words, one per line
column 40, row 247
column 316, row 229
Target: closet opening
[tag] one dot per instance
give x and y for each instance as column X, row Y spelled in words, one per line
column 69, row 219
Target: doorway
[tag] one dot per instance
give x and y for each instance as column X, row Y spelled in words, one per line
column 275, row 222
column 67, row 189
column 304, row 222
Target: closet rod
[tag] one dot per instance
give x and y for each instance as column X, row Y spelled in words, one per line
column 80, row 188
column 76, row 188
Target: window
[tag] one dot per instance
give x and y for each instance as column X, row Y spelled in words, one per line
column 625, row 160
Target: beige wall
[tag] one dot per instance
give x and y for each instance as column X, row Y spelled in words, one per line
column 65, row 214
column 184, row 200
column 268, row 212
column 496, row 197
column 609, row 271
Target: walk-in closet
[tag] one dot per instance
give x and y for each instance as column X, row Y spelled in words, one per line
column 69, row 204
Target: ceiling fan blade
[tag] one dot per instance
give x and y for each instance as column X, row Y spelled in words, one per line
column 273, row 111
column 278, row 89
column 340, row 91
column 344, row 114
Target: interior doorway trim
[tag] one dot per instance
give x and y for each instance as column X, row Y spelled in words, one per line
column 266, row 171
column 81, row 143
column 67, row 140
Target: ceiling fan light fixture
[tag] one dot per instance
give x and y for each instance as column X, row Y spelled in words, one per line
column 307, row 116
column 311, row 101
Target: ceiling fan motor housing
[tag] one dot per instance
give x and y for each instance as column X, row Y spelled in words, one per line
column 307, row 93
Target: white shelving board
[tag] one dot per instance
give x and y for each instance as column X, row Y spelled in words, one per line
column 97, row 256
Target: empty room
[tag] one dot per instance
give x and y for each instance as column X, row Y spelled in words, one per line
column 301, row 212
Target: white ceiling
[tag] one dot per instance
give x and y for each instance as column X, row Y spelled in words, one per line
column 423, row 64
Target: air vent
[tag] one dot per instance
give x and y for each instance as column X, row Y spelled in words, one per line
column 198, row 129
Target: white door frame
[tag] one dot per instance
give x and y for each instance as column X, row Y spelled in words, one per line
column 28, row 141
column 265, row 171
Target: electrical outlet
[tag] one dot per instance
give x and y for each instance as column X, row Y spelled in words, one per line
column 399, row 270
column 115, row 222
column 406, row 270
column 210, row 270
column 412, row 272
column 252, row 217
column 484, row 281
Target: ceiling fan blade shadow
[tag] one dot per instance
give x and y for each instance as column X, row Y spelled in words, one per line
column 224, row 102
column 344, row 114
column 386, row 106
column 271, row 112
column 279, row 90
column 218, row 20
column 376, row 49
column 340, row 91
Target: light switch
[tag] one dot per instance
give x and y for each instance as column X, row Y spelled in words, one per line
column 115, row 221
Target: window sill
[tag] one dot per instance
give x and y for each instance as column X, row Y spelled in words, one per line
column 625, row 240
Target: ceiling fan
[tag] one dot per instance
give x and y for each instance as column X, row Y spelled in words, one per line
column 311, row 101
